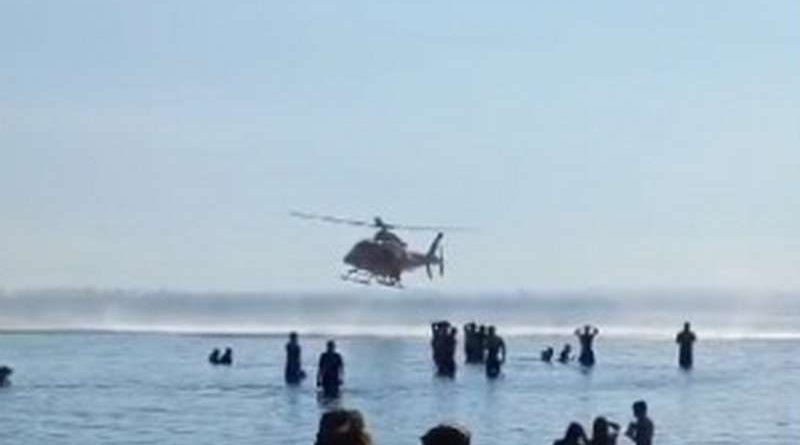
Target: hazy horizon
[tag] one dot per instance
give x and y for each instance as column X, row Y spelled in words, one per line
column 403, row 313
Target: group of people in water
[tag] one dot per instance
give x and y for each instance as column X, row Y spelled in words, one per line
column 225, row 358
column 482, row 345
column 330, row 369
column 347, row 427
column 586, row 336
column 605, row 432
column 685, row 340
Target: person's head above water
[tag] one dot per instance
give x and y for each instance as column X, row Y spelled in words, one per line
column 293, row 336
column 600, row 429
column 574, row 433
column 446, row 434
column 639, row 408
column 331, row 345
column 342, row 427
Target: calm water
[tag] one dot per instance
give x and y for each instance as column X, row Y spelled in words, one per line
column 157, row 388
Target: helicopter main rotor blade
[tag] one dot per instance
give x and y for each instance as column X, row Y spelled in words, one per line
column 330, row 219
column 376, row 223
column 430, row 228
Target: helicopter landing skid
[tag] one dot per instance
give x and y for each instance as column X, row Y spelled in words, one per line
column 366, row 278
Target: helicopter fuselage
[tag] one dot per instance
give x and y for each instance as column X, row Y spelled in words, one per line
column 384, row 259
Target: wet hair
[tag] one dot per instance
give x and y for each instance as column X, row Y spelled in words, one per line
column 574, row 432
column 342, row 427
column 446, row 434
column 600, row 431
column 640, row 408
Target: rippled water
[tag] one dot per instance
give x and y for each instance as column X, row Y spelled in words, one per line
column 157, row 388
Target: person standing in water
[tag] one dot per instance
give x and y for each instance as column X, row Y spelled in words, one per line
column 5, row 371
column 293, row 373
column 226, row 358
column 641, row 430
column 586, row 337
column 685, row 339
column 330, row 371
column 470, row 342
column 566, row 354
column 604, row 432
column 495, row 353
column 547, row 354
column 449, row 344
column 213, row 358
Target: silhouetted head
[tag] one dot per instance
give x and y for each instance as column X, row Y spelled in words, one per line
column 446, row 435
column 600, row 430
column 342, row 427
column 574, row 433
column 686, row 326
column 228, row 350
column 482, row 329
column 293, row 336
column 491, row 330
column 331, row 345
column 567, row 347
column 5, row 371
column 639, row 408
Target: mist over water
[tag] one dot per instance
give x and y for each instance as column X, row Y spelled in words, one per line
column 402, row 313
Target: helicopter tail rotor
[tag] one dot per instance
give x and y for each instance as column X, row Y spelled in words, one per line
column 432, row 258
column 441, row 261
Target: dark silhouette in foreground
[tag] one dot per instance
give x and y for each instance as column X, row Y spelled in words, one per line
column 641, row 430
column 685, row 339
column 566, row 354
column 443, row 344
column 495, row 353
column 573, row 436
column 446, row 434
column 342, row 427
column 586, row 337
column 604, row 432
column 547, row 354
column 5, row 371
column 330, row 372
column 293, row 372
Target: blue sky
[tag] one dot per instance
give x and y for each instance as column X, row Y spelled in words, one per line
column 617, row 144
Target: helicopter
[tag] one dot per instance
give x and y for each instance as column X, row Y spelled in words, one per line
column 385, row 257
